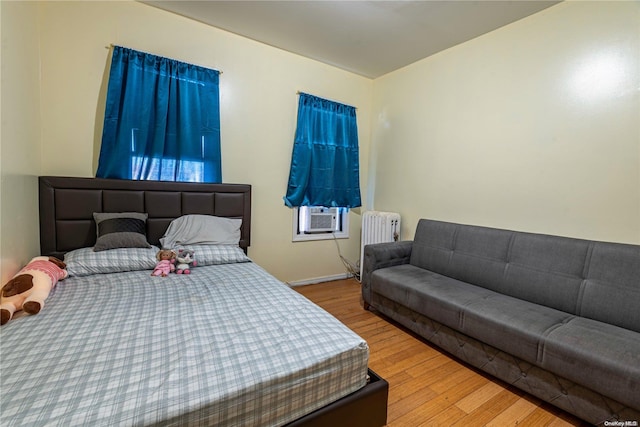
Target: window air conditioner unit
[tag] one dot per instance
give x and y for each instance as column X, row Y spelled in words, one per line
column 321, row 220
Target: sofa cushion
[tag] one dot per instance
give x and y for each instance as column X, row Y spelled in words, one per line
column 507, row 323
column 542, row 269
column 471, row 254
column 597, row 355
column 546, row 270
column 611, row 291
column 512, row 325
column 425, row 292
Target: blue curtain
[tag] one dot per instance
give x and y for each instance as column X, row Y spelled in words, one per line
column 162, row 120
column 325, row 167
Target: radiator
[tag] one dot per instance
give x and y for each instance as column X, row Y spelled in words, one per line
column 378, row 227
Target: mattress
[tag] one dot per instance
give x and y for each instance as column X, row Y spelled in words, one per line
column 226, row 345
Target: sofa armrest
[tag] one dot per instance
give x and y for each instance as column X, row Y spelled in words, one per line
column 381, row 255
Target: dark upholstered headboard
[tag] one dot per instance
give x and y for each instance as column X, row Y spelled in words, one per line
column 67, row 205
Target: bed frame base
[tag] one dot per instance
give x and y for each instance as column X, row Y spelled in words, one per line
column 366, row 407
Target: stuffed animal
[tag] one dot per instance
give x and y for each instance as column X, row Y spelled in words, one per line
column 28, row 289
column 186, row 259
column 166, row 260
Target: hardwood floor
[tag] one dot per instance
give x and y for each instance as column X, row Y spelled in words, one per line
column 426, row 386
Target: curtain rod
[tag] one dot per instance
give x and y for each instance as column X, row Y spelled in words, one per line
column 337, row 102
column 219, row 71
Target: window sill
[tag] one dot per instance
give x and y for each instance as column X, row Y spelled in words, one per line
column 319, row 236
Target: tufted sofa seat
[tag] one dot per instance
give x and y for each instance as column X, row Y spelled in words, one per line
column 556, row 317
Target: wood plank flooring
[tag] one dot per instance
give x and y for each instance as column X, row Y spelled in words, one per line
column 426, row 386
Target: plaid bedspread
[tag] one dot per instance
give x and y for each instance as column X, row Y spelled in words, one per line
column 225, row 345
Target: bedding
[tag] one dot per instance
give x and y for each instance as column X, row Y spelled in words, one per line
column 226, row 345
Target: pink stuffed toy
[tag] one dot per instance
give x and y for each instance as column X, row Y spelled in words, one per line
column 28, row 289
column 165, row 265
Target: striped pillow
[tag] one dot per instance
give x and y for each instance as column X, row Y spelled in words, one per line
column 120, row 230
column 216, row 254
column 84, row 261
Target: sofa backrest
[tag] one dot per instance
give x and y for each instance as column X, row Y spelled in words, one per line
column 597, row 280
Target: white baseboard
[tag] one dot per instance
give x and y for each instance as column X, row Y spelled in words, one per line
column 316, row 280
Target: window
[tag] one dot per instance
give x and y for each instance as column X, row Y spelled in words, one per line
column 325, row 167
column 162, row 120
column 320, row 223
column 166, row 168
column 324, row 180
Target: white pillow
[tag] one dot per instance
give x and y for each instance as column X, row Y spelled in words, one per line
column 85, row 261
column 202, row 229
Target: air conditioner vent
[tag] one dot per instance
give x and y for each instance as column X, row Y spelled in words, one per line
column 321, row 220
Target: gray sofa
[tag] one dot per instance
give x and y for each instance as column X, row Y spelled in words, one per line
column 556, row 317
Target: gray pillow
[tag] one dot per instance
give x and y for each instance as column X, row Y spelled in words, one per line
column 202, row 229
column 120, row 230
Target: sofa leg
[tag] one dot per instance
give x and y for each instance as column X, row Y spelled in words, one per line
column 365, row 305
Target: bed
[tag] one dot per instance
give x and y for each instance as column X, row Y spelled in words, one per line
column 227, row 344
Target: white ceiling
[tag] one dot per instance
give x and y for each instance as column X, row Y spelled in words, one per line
column 370, row 38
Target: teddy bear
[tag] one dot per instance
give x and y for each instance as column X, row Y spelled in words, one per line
column 28, row 289
column 185, row 260
column 166, row 260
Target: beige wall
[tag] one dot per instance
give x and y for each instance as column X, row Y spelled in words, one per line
column 534, row 126
column 258, row 111
column 20, row 137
